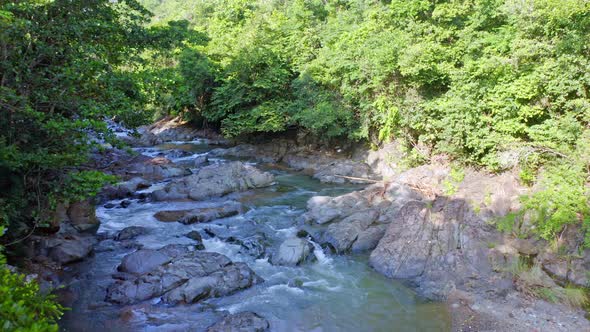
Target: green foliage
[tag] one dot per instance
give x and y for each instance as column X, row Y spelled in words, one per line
column 509, row 223
column 451, row 184
column 532, row 281
column 22, row 306
column 563, row 200
column 468, row 79
column 82, row 184
column 65, row 66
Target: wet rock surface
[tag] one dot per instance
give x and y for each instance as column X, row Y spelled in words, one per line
column 292, row 252
column 82, row 216
column 241, row 322
column 228, row 209
column 131, row 232
column 178, row 276
column 65, row 247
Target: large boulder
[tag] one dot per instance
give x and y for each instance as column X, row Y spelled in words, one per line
column 344, row 170
column 131, row 232
column 154, row 169
column 437, row 246
column 356, row 221
column 241, row 322
column 224, row 281
column 124, row 189
column 292, row 252
column 230, row 208
column 143, row 261
column 215, row 180
column 341, row 235
column 66, row 246
column 82, row 216
column 71, row 249
column 179, row 275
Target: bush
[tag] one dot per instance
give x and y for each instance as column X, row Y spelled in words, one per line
column 22, row 306
column 533, row 282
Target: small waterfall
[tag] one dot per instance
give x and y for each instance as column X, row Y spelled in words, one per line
column 322, row 258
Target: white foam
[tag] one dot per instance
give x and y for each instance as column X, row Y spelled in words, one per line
column 318, row 251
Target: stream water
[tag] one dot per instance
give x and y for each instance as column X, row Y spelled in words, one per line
column 332, row 293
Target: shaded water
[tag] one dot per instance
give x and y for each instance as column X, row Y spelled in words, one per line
column 333, row 293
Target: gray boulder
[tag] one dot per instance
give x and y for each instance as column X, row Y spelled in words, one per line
column 215, row 180
column 437, row 246
column 179, row 275
column 369, row 238
column 341, row 235
column 124, row 189
column 82, row 216
column 72, row 248
column 143, row 261
column 131, row 232
column 199, row 215
column 156, row 169
column 224, row 281
column 292, row 252
column 241, row 322
column 341, row 171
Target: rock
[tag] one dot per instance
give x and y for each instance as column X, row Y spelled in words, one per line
column 254, row 246
column 199, row 215
column 207, row 214
column 175, row 250
column 177, row 153
column 215, row 180
column 334, row 172
column 292, row 252
column 66, row 248
column 223, row 282
column 386, row 161
column 195, row 235
column 437, row 246
column 524, row 246
column 124, row 189
column 59, row 216
column 341, row 235
column 73, row 250
column 573, row 270
column 142, row 261
column 241, row 322
column 82, row 216
column 190, row 277
column 131, row 232
column 320, row 211
column 109, row 206
column 368, row 239
column 579, row 273
column 158, row 168
column 200, row 161
column 125, row 203
column 172, row 215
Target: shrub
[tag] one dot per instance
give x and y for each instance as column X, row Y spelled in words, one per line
column 22, row 306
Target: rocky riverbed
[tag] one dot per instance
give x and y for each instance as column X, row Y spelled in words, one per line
column 285, row 235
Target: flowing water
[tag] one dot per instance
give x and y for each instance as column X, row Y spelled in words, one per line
column 332, row 293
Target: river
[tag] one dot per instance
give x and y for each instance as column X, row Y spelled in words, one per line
column 330, row 293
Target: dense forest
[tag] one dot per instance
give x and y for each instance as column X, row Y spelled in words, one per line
column 493, row 84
